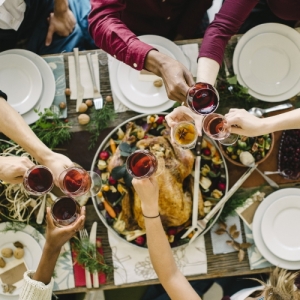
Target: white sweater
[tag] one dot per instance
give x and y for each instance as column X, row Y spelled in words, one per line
column 35, row 290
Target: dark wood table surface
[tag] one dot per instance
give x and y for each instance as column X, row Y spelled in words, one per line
column 77, row 149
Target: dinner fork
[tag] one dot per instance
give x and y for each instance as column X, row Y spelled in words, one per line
column 201, row 224
column 98, row 99
column 84, row 236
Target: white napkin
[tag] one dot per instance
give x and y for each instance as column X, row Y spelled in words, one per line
column 191, row 52
column 132, row 264
column 85, row 76
column 219, row 241
column 118, row 105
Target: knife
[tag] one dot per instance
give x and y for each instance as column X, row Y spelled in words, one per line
column 93, row 235
column 80, row 88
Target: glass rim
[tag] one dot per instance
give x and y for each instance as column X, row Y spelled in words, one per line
column 146, row 152
column 56, row 201
column 214, row 136
column 28, row 188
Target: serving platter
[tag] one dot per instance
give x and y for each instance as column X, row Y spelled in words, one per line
column 213, row 181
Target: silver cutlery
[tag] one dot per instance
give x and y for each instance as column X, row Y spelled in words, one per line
column 98, row 99
column 41, row 213
column 196, row 189
column 80, row 88
column 93, row 236
column 258, row 112
column 201, row 224
column 84, row 236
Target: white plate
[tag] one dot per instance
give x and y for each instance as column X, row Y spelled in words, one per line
column 269, row 64
column 48, row 79
column 21, row 81
column 142, row 93
column 32, row 252
column 280, row 228
column 268, row 28
column 257, row 235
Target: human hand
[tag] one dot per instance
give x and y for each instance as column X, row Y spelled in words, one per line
column 57, row 163
column 13, row 168
column 176, row 77
column 247, row 124
column 147, row 190
column 183, row 113
column 62, row 23
column 56, row 237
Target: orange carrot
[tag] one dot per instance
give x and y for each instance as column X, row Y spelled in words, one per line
column 109, row 209
column 113, row 146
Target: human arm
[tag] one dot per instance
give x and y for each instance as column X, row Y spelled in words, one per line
column 38, row 285
column 175, row 284
column 253, row 126
column 14, row 127
column 62, row 21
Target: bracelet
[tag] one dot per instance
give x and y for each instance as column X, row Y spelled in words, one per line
column 151, row 217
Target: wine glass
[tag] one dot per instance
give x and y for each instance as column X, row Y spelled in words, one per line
column 64, row 211
column 38, row 180
column 216, row 127
column 75, row 181
column 143, row 164
column 202, row 98
column 184, row 134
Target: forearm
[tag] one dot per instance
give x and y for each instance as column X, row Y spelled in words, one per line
column 14, row 127
column 47, row 264
column 207, row 70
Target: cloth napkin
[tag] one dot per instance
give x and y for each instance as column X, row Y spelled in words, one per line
column 191, row 52
column 256, row 260
column 79, row 273
column 219, row 241
column 85, row 76
column 56, row 63
column 132, row 263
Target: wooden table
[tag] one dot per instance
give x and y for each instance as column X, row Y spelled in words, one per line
column 218, row 265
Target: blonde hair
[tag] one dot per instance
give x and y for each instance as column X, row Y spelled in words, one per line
column 281, row 285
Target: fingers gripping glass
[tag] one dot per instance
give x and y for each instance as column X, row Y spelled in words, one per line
column 184, row 135
column 143, row 164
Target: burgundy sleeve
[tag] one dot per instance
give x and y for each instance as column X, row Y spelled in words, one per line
column 192, row 17
column 113, row 36
column 227, row 23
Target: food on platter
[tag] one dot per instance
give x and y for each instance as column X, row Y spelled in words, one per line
column 120, row 205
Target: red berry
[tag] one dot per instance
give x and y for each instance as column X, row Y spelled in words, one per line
column 104, row 155
column 171, row 231
column 112, row 181
column 66, row 120
column 221, row 186
column 160, row 120
column 206, row 151
column 140, row 240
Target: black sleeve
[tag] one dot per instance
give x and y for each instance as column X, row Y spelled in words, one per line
column 3, row 95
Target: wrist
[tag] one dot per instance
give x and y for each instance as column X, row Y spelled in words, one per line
column 154, row 61
column 50, row 249
column 150, row 210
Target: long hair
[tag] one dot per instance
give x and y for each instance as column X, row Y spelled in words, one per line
column 282, row 285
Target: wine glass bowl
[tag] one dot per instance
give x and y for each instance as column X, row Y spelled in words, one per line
column 64, row 211
column 75, row 181
column 202, row 98
column 184, row 135
column 38, row 180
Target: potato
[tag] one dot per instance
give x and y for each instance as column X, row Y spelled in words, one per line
column 19, row 253
column 83, row 119
column 7, row 252
column 2, row 263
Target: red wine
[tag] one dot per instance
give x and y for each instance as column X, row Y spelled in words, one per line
column 65, row 210
column 38, row 180
column 203, row 98
column 215, row 126
column 141, row 164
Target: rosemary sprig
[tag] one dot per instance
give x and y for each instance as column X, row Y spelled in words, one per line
column 99, row 120
column 50, row 129
column 85, row 251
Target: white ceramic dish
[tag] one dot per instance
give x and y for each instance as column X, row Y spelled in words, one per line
column 21, row 81
column 48, row 79
column 32, row 252
column 269, row 28
column 269, row 64
column 141, row 93
column 280, row 228
column 257, row 234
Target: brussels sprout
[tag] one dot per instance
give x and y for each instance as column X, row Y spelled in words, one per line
column 242, row 145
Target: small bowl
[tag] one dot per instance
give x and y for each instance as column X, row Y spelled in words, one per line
column 237, row 161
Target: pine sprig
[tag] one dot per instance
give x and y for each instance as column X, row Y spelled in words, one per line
column 50, row 129
column 99, row 121
column 85, row 252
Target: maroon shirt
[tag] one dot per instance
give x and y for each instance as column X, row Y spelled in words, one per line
column 230, row 18
column 112, row 23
